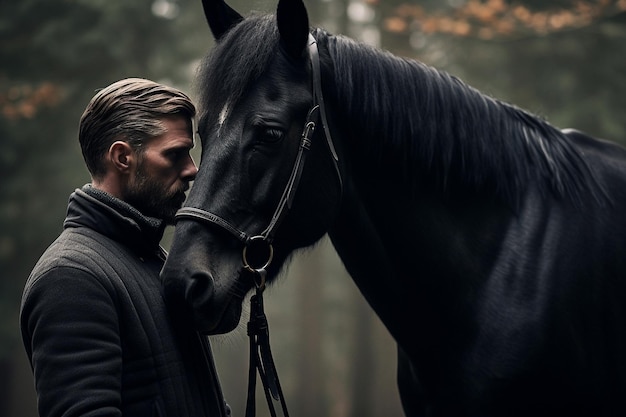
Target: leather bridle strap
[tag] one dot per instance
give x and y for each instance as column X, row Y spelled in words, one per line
column 318, row 98
column 286, row 199
column 305, row 143
column 204, row 216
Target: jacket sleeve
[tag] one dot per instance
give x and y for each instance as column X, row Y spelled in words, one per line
column 70, row 330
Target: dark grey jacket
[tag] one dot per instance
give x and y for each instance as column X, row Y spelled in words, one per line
column 96, row 329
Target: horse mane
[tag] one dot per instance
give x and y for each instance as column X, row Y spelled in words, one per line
column 411, row 117
column 435, row 125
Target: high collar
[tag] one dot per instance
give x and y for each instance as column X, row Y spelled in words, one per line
column 98, row 210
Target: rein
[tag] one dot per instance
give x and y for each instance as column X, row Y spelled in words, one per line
column 261, row 360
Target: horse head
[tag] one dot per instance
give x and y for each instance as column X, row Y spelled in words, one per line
column 259, row 122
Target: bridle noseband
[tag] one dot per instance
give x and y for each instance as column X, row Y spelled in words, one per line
column 260, row 354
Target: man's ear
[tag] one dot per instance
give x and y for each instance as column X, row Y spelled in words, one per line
column 121, row 156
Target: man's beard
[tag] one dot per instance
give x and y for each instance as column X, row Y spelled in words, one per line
column 149, row 197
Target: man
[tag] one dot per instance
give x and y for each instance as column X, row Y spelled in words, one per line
column 96, row 330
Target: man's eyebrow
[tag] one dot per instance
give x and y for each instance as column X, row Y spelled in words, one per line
column 179, row 147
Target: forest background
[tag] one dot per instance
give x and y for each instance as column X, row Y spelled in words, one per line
column 561, row 59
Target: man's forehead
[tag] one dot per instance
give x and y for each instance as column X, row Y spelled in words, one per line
column 178, row 134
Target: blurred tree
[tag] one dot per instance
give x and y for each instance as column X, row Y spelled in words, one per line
column 309, row 380
column 491, row 19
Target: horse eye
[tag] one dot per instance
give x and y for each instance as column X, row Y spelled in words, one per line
column 271, row 135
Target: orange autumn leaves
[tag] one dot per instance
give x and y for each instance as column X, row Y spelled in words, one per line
column 25, row 100
column 489, row 19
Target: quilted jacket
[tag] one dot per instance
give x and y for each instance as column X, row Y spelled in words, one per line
column 96, row 330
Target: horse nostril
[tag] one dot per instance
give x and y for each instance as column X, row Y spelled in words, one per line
column 185, row 290
column 199, row 290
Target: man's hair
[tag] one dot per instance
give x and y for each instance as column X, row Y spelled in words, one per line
column 130, row 110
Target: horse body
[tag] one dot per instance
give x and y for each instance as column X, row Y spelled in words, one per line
column 498, row 311
column 490, row 244
column 513, row 323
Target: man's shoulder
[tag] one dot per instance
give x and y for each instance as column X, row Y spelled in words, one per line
column 78, row 253
column 75, row 247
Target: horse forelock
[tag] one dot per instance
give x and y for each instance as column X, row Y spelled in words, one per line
column 237, row 60
column 426, row 122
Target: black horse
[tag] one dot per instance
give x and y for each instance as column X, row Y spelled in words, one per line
column 491, row 244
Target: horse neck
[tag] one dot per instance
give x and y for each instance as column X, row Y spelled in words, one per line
column 409, row 252
column 392, row 128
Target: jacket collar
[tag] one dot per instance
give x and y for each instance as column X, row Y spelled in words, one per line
column 98, row 210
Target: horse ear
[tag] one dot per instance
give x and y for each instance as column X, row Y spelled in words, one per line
column 293, row 26
column 220, row 16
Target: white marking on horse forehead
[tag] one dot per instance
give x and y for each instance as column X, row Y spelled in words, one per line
column 223, row 116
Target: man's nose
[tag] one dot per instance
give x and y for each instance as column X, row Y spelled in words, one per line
column 191, row 170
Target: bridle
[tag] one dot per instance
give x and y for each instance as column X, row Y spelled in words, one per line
column 260, row 354
column 317, row 110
